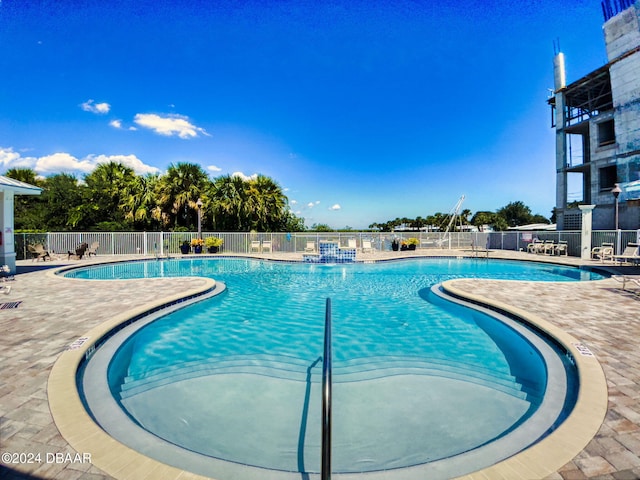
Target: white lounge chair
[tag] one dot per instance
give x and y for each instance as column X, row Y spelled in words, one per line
column 602, row 252
column 624, row 279
column 535, row 247
column 630, row 254
column 5, row 274
column 351, row 243
column 93, row 249
column 562, row 248
column 266, row 246
column 310, row 248
column 255, row 246
column 548, row 247
column 367, row 247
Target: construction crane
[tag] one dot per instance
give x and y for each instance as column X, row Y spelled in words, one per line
column 453, row 214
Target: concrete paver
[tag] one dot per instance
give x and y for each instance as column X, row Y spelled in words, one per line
column 55, row 311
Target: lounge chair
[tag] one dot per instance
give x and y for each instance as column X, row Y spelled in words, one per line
column 548, row 247
column 479, row 251
column 310, row 248
column 630, row 254
column 624, row 279
column 602, row 252
column 351, row 243
column 266, row 247
column 80, row 251
column 366, row 246
column 255, row 246
column 93, row 249
column 426, row 243
column 562, row 248
column 38, row 252
column 535, row 247
column 5, row 276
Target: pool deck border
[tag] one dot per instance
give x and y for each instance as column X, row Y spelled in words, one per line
column 543, row 460
column 77, row 426
column 578, row 429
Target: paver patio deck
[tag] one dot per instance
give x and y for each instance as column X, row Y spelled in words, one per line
column 56, row 311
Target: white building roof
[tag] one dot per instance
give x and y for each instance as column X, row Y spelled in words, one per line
column 18, row 187
column 535, row 226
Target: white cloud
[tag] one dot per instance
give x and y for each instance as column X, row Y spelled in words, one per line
column 116, row 123
column 11, row 159
column 335, row 207
column 293, row 202
column 99, row 108
column 311, row 204
column 246, row 178
column 129, row 160
column 214, row 168
column 62, row 162
column 171, row 125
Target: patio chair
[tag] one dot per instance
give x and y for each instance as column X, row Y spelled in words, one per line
column 548, row 247
column 603, row 251
column 630, row 253
column 38, row 252
column 535, row 247
column 93, row 249
column 366, row 246
column 351, row 243
column 80, row 251
column 562, row 248
column 266, row 246
column 310, row 248
column 5, row 276
column 426, row 243
column 255, row 246
column 624, row 279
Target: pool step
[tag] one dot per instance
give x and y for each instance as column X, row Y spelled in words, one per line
column 294, row 369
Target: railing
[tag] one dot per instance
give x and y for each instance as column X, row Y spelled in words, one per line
column 168, row 243
column 325, row 472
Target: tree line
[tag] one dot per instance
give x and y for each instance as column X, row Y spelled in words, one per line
column 114, row 198
column 511, row 215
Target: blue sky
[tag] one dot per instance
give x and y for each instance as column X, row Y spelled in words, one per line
column 362, row 111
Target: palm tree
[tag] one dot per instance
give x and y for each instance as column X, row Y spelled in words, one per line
column 178, row 192
column 464, row 216
column 25, row 175
column 139, row 202
column 228, row 196
column 107, row 188
column 267, row 204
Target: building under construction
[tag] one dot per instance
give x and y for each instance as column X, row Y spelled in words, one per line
column 597, row 122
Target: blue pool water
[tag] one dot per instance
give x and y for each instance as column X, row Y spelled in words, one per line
column 417, row 379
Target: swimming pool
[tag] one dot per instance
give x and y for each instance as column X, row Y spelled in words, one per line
column 246, row 364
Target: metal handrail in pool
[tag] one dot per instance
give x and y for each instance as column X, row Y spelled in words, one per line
column 326, row 396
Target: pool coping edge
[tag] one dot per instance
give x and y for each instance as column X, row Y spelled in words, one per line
column 76, row 425
column 579, row 428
